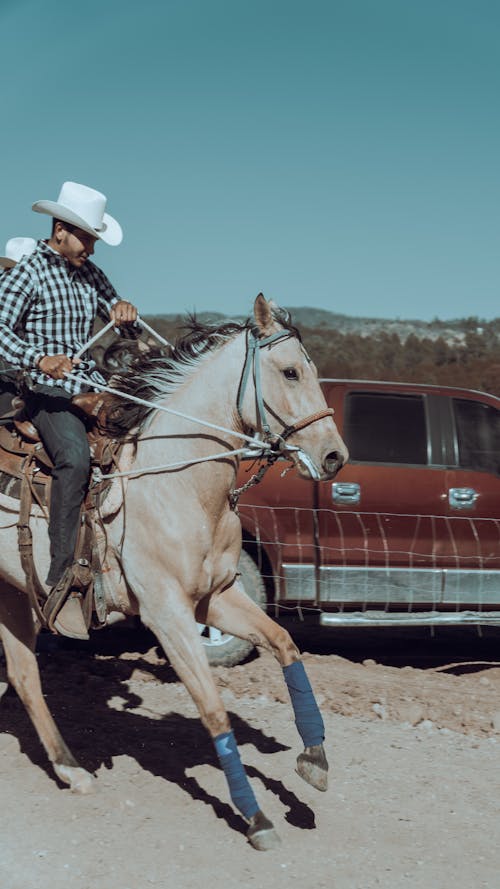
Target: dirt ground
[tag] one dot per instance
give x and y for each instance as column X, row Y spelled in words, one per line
column 413, row 739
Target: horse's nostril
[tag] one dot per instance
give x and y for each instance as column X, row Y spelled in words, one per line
column 333, row 462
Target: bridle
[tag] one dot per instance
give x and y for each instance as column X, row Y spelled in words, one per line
column 251, row 368
column 270, row 447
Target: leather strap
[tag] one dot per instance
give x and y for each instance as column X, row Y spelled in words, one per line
column 78, row 576
column 25, row 543
column 301, row 424
column 25, row 459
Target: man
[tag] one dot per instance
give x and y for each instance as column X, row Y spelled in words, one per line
column 15, row 249
column 48, row 305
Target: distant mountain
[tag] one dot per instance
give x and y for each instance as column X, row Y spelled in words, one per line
column 452, row 331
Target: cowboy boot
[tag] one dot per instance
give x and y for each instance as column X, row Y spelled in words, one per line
column 63, row 609
column 70, row 620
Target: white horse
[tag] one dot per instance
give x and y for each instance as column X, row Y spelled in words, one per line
column 172, row 539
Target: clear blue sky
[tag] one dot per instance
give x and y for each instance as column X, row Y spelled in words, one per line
column 342, row 155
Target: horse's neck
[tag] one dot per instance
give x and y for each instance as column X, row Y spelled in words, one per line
column 210, row 394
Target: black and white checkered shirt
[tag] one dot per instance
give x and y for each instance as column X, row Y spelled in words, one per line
column 48, row 307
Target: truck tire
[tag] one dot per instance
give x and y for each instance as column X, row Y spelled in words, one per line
column 224, row 650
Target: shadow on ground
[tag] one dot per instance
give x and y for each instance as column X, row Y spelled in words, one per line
column 78, row 688
column 452, row 649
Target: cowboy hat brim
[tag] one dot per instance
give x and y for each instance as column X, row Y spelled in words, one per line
column 7, row 263
column 111, row 231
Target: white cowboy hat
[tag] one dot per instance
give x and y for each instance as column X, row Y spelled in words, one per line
column 15, row 249
column 83, row 207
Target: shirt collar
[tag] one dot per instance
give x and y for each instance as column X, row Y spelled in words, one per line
column 58, row 259
column 50, row 253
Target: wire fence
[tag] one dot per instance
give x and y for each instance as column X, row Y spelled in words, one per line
column 327, row 560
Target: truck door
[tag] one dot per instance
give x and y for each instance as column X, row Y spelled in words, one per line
column 379, row 522
column 473, row 502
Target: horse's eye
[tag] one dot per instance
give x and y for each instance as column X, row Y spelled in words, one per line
column 290, row 373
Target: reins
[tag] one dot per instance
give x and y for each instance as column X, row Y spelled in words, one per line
column 260, row 447
column 270, row 446
column 112, row 323
column 251, row 439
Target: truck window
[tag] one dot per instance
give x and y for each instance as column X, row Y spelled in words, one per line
column 478, row 435
column 385, row 428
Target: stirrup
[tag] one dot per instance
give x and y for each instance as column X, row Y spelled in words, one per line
column 77, row 576
column 70, row 620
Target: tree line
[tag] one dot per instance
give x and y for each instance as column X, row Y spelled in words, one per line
column 471, row 360
column 473, row 364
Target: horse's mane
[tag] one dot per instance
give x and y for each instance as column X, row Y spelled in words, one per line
column 155, row 373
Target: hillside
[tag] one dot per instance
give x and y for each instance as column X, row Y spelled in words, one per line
column 452, row 331
column 458, row 352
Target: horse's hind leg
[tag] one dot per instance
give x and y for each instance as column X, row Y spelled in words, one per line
column 179, row 637
column 232, row 611
column 18, row 636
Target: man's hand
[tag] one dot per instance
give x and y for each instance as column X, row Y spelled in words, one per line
column 123, row 312
column 57, row 366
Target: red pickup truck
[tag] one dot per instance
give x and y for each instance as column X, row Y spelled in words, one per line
column 409, row 531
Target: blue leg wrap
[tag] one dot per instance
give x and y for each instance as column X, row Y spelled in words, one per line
column 308, row 719
column 242, row 794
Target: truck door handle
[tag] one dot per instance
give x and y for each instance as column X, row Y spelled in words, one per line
column 462, row 498
column 346, row 492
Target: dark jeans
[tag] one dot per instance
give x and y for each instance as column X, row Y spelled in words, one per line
column 65, row 440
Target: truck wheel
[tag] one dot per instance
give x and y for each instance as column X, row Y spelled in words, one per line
column 224, row 650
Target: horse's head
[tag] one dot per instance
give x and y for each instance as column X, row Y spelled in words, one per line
column 280, row 395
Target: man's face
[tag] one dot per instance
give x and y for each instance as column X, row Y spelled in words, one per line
column 75, row 245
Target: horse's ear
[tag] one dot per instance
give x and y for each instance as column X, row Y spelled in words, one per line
column 282, row 316
column 262, row 312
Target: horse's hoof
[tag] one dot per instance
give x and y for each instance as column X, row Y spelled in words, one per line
column 312, row 766
column 78, row 779
column 261, row 833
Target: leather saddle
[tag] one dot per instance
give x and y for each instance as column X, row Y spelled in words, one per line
column 21, row 447
column 25, row 474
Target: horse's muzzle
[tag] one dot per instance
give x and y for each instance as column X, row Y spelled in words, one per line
column 307, row 468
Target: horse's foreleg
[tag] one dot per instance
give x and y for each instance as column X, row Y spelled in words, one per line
column 232, row 611
column 178, row 635
column 18, row 637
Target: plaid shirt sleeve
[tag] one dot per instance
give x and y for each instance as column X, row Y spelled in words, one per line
column 107, row 297
column 16, row 294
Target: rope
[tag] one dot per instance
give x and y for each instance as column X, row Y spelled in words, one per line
column 113, row 323
column 154, row 333
column 262, row 449
column 251, row 439
column 94, row 339
column 162, row 467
